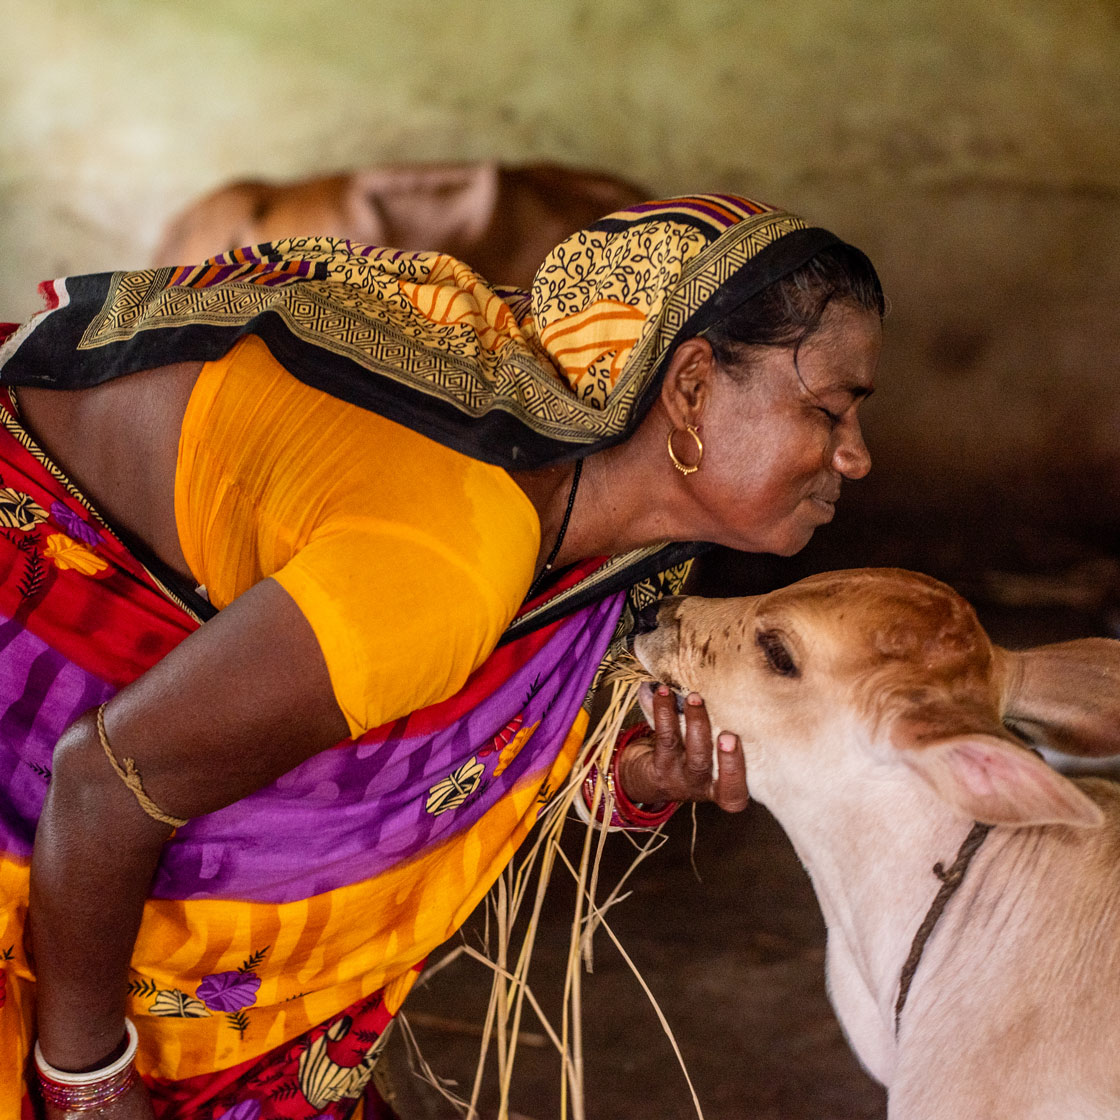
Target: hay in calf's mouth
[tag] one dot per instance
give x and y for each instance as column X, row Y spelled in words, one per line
column 627, row 669
column 523, row 886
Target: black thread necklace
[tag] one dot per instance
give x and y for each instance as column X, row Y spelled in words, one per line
column 534, row 587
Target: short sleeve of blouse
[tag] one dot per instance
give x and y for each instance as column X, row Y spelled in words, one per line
column 401, row 619
column 407, row 558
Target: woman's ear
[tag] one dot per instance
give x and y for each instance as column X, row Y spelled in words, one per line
column 687, row 386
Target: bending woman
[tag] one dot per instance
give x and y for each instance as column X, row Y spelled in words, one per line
column 424, row 509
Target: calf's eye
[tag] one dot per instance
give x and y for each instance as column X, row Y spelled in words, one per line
column 777, row 654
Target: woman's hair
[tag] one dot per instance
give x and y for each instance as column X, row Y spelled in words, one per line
column 789, row 311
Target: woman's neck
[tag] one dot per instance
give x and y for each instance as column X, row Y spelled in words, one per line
column 620, row 504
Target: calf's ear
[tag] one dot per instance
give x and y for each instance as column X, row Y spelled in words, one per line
column 996, row 781
column 1065, row 696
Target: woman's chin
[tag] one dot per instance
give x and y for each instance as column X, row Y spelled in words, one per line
column 800, row 532
column 785, row 537
column 786, row 543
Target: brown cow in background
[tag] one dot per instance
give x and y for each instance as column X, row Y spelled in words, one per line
column 500, row 220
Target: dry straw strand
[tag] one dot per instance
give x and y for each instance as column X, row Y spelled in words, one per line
column 529, row 878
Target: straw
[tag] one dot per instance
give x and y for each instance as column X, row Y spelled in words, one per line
column 530, row 876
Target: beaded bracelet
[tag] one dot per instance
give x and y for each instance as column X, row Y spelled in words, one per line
column 625, row 814
column 90, row 1091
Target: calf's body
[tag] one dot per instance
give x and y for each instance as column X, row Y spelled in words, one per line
column 874, row 715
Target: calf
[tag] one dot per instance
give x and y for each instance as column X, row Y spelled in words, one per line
column 971, row 893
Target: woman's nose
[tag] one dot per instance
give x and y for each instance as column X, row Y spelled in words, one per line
column 850, row 457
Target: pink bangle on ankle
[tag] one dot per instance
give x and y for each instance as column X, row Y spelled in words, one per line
column 90, row 1091
column 625, row 814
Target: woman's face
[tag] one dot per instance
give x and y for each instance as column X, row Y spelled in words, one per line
column 778, row 444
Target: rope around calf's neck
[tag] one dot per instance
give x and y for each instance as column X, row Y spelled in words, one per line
column 950, row 881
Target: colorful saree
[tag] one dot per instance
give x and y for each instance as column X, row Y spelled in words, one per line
column 283, row 932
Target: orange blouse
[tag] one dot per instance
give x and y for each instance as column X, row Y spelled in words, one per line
column 407, row 558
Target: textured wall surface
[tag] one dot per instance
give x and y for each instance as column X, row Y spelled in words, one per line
column 972, row 147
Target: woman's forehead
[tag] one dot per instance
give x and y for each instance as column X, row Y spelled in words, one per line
column 842, row 355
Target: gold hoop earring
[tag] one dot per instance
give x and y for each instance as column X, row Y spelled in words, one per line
column 684, row 468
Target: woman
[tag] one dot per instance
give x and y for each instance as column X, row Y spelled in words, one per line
column 425, row 510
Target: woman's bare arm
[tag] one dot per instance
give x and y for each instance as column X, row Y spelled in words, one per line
column 234, row 706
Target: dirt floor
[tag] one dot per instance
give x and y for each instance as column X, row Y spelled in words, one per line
column 730, row 940
column 734, row 957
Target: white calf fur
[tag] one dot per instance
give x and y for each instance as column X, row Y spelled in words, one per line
column 874, row 715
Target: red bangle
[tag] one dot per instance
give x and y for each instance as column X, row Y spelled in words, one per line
column 625, row 814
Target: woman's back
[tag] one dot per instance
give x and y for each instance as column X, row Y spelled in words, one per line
column 118, row 442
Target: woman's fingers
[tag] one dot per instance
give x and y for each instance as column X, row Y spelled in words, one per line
column 731, row 793
column 666, row 728
column 681, row 767
column 697, row 743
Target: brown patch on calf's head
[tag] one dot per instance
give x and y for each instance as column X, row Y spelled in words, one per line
column 901, row 646
column 936, row 630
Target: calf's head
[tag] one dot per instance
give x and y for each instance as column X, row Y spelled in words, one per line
column 880, row 675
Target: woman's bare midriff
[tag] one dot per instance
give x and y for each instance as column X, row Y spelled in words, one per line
column 118, row 443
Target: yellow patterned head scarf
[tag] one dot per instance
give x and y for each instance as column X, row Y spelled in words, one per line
column 611, row 301
column 514, row 378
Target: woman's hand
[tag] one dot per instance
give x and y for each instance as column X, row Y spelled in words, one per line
column 134, row 1105
column 670, row 767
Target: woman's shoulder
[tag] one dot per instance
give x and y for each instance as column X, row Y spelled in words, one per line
column 407, row 558
column 307, row 465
